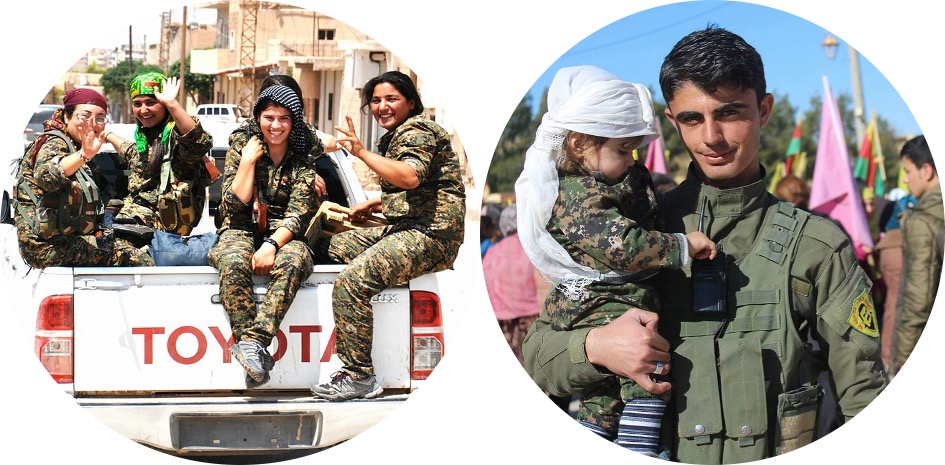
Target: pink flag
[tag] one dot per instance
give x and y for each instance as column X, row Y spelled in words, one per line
column 656, row 155
column 834, row 191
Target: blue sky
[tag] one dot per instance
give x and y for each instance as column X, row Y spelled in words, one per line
column 795, row 62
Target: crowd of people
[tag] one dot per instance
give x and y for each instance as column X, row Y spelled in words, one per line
column 271, row 192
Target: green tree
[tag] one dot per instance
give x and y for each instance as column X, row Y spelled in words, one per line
column 94, row 68
column 509, row 156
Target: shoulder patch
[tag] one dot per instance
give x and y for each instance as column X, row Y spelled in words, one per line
column 863, row 315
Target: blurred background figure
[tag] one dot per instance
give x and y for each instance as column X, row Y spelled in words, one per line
column 793, row 189
column 662, row 182
column 488, row 228
column 888, row 254
column 511, row 283
column 923, row 234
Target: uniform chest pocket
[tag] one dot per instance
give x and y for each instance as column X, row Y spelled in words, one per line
column 741, row 373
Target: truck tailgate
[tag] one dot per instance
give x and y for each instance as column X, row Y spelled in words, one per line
column 163, row 329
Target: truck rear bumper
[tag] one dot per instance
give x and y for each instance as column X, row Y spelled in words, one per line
column 222, row 425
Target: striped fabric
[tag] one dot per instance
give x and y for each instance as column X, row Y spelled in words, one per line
column 639, row 428
column 286, row 97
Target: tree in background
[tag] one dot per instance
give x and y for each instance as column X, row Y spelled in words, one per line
column 509, row 156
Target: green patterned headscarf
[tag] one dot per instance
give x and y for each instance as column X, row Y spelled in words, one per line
column 147, row 84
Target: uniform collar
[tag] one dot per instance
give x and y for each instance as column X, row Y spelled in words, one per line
column 734, row 202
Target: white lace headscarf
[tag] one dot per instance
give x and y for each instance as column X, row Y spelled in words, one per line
column 583, row 99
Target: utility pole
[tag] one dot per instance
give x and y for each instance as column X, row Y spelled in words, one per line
column 247, row 83
column 859, row 109
column 182, row 94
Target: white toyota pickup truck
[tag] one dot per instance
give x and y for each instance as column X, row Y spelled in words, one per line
column 144, row 350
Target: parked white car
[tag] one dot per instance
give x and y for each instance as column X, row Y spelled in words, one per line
column 221, row 112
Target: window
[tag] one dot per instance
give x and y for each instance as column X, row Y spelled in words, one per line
column 326, row 34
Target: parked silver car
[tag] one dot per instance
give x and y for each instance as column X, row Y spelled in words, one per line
column 35, row 126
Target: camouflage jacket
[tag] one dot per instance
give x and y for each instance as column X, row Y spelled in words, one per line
column 610, row 228
column 186, row 164
column 438, row 205
column 42, row 174
column 287, row 190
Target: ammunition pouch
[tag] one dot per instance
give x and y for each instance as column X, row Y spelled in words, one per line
column 332, row 219
column 176, row 209
column 76, row 211
column 797, row 418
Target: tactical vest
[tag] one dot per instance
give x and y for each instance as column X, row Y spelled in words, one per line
column 76, row 210
column 176, row 201
column 735, row 374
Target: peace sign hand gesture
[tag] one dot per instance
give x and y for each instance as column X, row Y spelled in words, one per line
column 350, row 141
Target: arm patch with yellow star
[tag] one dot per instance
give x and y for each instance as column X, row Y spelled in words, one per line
column 863, row 315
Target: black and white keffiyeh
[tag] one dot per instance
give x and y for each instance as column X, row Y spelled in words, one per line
column 286, row 97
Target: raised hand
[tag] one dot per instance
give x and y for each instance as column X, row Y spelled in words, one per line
column 91, row 139
column 350, row 141
column 169, row 90
column 252, row 151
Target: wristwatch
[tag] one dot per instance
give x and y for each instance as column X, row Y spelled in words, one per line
column 272, row 241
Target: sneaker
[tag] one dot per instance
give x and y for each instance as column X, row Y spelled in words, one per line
column 268, row 363
column 345, row 387
column 247, row 353
column 253, row 384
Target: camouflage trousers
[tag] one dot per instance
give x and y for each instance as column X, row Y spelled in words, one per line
column 378, row 258
column 140, row 213
column 75, row 250
column 232, row 255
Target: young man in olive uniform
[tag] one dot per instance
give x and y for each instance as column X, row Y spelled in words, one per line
column 746, row 344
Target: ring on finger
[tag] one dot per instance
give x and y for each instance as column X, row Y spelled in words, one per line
column 660, row 368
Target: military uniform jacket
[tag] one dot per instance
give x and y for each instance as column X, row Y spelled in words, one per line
column 288, row 191
column 922, row 245
column 793, row 286
column 43, row 175
column 609, row 228
column 438, row 205
column 187, row 151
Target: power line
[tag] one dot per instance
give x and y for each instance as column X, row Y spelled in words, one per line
column 651, row 32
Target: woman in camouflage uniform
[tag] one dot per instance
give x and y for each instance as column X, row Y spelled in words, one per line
column 55, row 166
column 267, row 202
column 321, row 143
column 423, row 199
column 165, row 133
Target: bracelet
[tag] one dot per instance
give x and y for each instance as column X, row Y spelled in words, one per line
column 272, row 241
column 82, row 156
column 107, row 133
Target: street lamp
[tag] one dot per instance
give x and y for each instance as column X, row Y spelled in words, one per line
column 830, row 45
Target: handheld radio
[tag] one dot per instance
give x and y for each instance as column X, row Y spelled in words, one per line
column 708, row 278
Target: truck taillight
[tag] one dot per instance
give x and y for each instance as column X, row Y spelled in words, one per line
column 426, row 332
column 54, row 336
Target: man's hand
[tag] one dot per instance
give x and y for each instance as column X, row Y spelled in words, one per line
column 630, row 347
